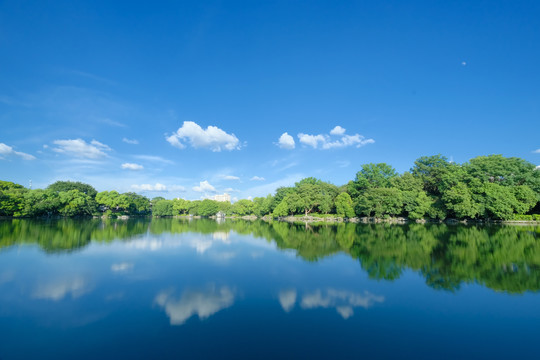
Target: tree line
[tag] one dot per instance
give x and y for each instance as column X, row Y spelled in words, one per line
column 485, row 187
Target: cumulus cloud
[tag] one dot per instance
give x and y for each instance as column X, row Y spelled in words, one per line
column 287, row 299
column 6, row 150
column 204, row 186
column 82, row 149
column 201, row 303
column 257, row 178
column 149, row 187
column 212, row 138
column 131, row 166
column 130, row 141
column 338, row 130
column 336, row 139
column 343, row 301
column 286, row 141
column 230, row 177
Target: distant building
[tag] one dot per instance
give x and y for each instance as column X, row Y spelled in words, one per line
column 222, row 198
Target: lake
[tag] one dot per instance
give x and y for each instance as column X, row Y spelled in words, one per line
column 173, row 288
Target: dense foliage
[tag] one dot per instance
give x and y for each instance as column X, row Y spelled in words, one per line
column 487, row 187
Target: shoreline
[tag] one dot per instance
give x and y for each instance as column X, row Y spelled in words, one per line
column 303, row 219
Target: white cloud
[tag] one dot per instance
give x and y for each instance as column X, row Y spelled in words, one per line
column 228, row 190
column 286, row 141
column 204, row 186
column 537, row 151
column 338, row 130
column 80, row 148
column 201, row 303
column 130, row 141
column 6, row 150
column 311, row 140
column 287, row 299
column 212, row 138
column 149, row 187
column 257, row 178
column 338, row 139
column 230, row 177
column 343, row 301
column 131, row 166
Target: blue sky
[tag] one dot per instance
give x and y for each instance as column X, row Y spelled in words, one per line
column 188, row 99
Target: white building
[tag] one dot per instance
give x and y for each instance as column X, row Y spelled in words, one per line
column 222, row 198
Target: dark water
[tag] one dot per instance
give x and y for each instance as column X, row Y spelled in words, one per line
column 170, row 289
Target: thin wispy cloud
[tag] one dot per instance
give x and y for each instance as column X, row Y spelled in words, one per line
column 7, row 151
column 230, row 177
column 149, row 187
column 212, row 138
column 132, row 166
column 153, row 158
column 80, row 148
column 111, row 122
column 537, row 151
column 257, row 178
column 130, row 141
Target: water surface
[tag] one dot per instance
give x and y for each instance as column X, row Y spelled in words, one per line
column 170, row 288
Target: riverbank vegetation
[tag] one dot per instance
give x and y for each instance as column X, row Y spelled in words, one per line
column 485, row 188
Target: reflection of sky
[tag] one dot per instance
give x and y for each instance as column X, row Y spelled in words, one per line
column 276, row 296
column 343, row 301
column 57, row 289
column 202, row 303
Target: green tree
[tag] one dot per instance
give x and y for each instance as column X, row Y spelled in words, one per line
column 431, row 170
column 208, row 207
column 500, row 201
column 61, row 186
column 243, row 207
column 75, row 203
column 459, row 201
column 163, row 208
column 379, row 201
column 372, row 176
column 344, row 205
column 181, row 206
column 282, row 209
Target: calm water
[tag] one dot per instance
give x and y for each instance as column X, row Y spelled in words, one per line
column 170, row 288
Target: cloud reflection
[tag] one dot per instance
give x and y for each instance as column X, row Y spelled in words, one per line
column 57, row 290
column 343, row 301
column 201, row 303
column 287, row 299
column 121, row 267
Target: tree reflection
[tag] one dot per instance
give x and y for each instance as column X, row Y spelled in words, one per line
column 503, row 258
